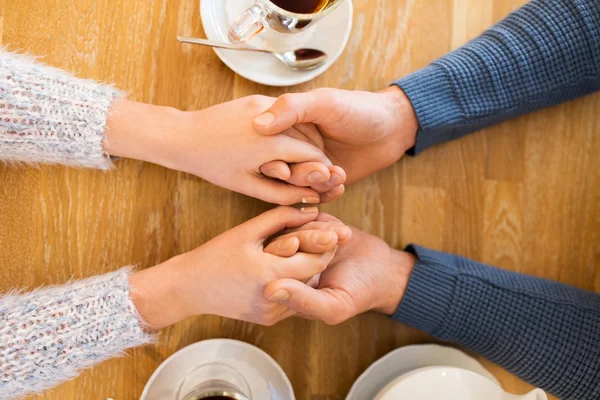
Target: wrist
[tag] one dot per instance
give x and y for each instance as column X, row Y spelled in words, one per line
column 405, row 122
column 401, row 266
column 141, row 131
column 156, row 295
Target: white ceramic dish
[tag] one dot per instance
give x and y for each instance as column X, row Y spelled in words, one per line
column 434, row 383
column 406, row 359
column 329, row 35
column 266, row 378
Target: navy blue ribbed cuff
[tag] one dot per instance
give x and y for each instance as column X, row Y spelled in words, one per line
column 429, row 292
column 433, row 98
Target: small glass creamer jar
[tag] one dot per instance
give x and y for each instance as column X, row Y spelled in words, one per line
column 214, row 381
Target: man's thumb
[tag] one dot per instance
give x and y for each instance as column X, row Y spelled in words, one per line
column 309, row 302
column 288, row 110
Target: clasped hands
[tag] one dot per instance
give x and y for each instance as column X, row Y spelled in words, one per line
column 300, row 148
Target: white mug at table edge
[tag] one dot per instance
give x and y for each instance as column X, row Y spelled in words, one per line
column 267, row 14
column 434, row 383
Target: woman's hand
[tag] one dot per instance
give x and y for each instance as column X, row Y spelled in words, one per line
column 366, row 274
column 227, row 276
column 220, row 145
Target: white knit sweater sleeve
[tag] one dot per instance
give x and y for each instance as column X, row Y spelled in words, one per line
column 49, row 335
column 50, row 116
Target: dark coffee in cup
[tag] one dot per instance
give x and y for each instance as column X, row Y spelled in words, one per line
column 302, row 6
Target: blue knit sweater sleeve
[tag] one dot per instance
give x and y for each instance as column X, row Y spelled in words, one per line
column 545, row 332
column 545, row 53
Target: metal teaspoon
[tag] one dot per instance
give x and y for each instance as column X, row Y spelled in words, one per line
column 299, row 60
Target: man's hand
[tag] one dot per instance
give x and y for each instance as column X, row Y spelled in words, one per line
column 362, row 132
column 365, row 274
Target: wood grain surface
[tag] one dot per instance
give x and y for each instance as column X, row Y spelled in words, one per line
column 524, row 195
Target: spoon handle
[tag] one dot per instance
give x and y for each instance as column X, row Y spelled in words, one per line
column 219, row 45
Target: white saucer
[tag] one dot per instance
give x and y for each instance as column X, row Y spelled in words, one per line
column 406, row 359
column 329, row 35
column 266, row 378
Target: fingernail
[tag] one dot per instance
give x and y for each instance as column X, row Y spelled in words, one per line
column 279, row 296
column 309, row 209
column 265, row 119
column 324, row 238
column 316, row 177
column 335, row 180
column 287, row 243
column 311, row 200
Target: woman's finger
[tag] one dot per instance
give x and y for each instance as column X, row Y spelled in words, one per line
column 277, row 170
column 273, row 221
column 337, row 177
column 294, row 151
column 308, row 174
column 326, row 181
column 284, row 248
column 344, row 233
column 282, row 193
column 332, row 195
column 325, row 217
column 309, row 241
column 329, row 190
column 329, row 222
column 302, row 266
column 315, row 225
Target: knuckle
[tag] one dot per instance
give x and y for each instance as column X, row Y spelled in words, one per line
column 267, row 319
column 341, row 311
column 324, row 91
column 329, row 96
column 320, row 225
column 305, row 306
column 286, row 100
column 332, row 320
column 257, row 101
column 336, row 318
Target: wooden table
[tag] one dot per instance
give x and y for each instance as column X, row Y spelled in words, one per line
column 523, row 195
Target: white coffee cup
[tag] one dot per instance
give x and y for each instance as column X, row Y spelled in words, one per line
column 267, row 15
